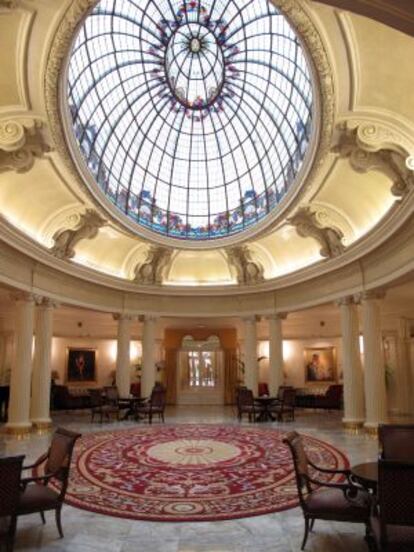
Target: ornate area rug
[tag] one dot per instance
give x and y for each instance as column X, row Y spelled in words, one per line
column 189, row 472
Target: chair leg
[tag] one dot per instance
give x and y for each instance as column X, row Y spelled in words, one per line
column 42, row 515
column 58, row 521
column 305, row 537
column 312, row 523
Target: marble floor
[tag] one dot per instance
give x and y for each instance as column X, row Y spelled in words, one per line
column 280, row 532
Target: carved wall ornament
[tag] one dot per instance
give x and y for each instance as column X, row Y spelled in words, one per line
column 153, row 269
column 375, row 147
column 299, row 18
column 65, row 240
column 247, row 270
column 307, row 226
column 20, row 143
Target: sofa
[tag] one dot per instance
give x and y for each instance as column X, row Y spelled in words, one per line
column 330, row 400
column 65, row 398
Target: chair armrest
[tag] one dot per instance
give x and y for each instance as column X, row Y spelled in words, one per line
column 44, row 478
column 329, row 470
column 38, row 462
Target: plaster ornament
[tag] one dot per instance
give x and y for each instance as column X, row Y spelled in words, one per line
column 152, row 270
column 248, row 271
column 21, row 142
column 373, row 147
column 8, row 4
column 66, row 240
column 307, row 226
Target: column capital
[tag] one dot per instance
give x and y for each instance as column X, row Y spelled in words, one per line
column 349, row 300
column 277, row 316
column 117, row 316
column 46, row 302
column 148, row 318
column 250, row 319
column 23, row 297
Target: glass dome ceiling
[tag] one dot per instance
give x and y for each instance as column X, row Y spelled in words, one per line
column 194, row 118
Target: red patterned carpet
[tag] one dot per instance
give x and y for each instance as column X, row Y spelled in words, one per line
column 189, row 472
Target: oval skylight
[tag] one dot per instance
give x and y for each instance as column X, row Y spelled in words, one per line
column 194, row 118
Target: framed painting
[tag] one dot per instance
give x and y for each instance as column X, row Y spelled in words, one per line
column 81, row 365
column 320, row 365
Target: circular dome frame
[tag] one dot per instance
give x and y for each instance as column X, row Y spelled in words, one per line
column 60, row 124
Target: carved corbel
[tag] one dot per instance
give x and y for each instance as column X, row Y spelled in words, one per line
column 307, row 226
column 370, row 147
column 247, row 270
column 21, row 142
column 65, row 240
column 154, row 267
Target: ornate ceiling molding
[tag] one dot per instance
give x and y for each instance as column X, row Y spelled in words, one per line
column 87, row 228
column 308, row 226
column 375, row 146
column 324, row 117
column 152, row 271
column 248, row 271
column 21, row 142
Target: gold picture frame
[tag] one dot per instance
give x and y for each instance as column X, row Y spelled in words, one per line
column 81, row 365
column 320, row 365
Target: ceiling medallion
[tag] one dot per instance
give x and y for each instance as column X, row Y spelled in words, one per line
column 216, row 165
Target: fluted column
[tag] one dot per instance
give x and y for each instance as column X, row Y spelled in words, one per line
column 374, row 369
column 275, row 352
column 250, row 354
column 354, row 408
column 19, row 405
column 40, row 406
column 123, row 364
column 403, row 378
column 149, row 355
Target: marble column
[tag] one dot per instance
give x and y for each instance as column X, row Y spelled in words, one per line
column 40, row 406
column 403, row 379
column 374, row 368
column 123, row 362
column 354, row 408
column 149, row 355
column 19, row 406
column 251, row 367
column 275, row 352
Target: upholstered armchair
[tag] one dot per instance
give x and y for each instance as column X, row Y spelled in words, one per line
column 323, row 500
column 397, row 442
column 246, row 404
column 392, row 519
column 38, row 496
column 10, row 473
column 154, row 406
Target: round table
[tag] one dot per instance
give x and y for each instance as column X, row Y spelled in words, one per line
column 265, row 415
column 366, row 474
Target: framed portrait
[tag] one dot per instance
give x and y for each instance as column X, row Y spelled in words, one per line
column 81, row 365
column 320, row 365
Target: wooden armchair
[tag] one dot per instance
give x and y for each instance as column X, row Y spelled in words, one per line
column 397, row 442
column 37, row 495
column 392, row 519
column 10, row 473
column 102, row 406
column 155, row 405
column 322, row 500
column 246, row 404
column 285, row 405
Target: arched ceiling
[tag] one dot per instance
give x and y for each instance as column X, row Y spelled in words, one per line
column 356, row 186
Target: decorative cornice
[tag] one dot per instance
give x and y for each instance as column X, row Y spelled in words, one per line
column 370, row 146
column 152, row 270
column 247, row 270
column 121, row 316
column 308, row 226
column 23, row 297
column 21, row 142
column 65, row 240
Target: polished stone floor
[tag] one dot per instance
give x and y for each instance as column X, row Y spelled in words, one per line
column 281, row 532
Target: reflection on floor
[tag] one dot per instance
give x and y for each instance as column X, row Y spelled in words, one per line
column 281, row 532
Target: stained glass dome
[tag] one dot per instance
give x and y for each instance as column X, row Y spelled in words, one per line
column 193, row 117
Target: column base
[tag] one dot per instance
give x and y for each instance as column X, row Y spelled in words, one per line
column 353, row 426
column 371, row 430
column 18, row 430
column 41, row 426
